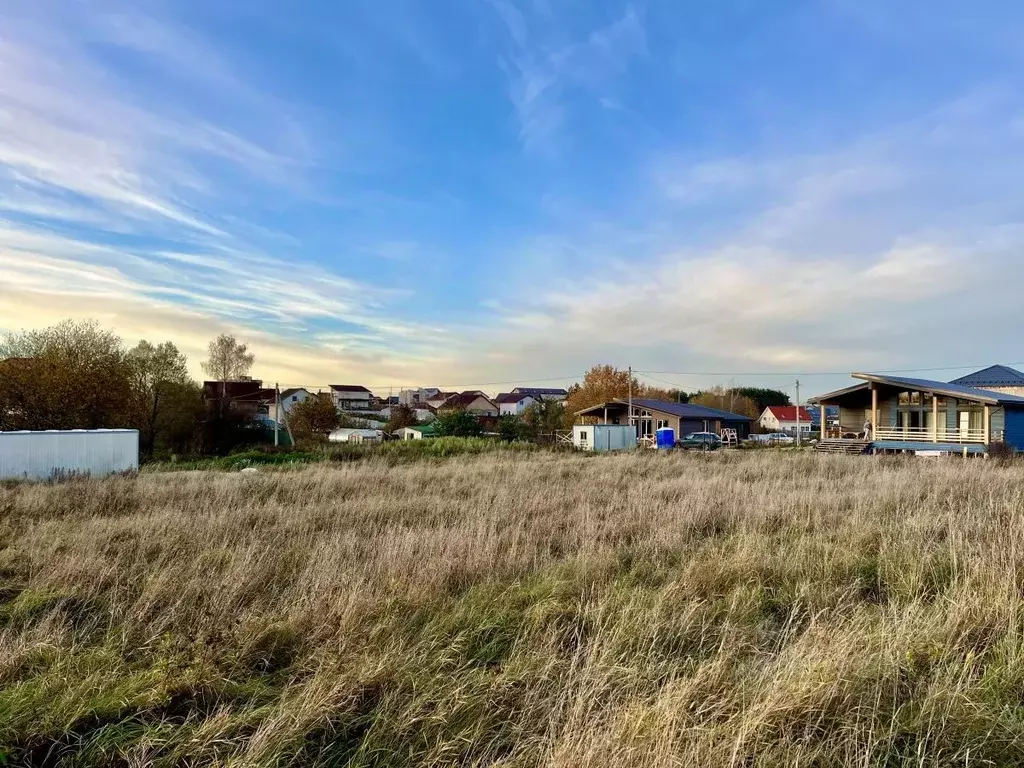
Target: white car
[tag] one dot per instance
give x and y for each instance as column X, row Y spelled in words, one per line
column 773, row 438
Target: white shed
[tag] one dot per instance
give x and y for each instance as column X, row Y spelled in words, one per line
column 408, row 433
column 42, row 455
column 351, row 435
column 604, row 437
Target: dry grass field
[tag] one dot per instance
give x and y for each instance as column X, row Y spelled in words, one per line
column 519, row 610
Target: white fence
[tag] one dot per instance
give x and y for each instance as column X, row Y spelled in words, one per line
column 42, row 455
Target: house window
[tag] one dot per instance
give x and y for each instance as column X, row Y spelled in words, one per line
column 662, row 423
column 295, row 398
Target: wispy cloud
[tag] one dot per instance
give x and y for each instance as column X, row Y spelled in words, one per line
column 547, row 67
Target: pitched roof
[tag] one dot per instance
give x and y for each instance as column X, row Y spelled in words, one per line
column 687, row 410
column 539, row 391
column 993, row 376
column 464, row 400
column 293, row 391
column 511, row 397
column 788, row 413
column 944, row 388
column 349, row 388
column 682, row 410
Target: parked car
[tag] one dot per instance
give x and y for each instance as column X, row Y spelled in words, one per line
column 701, row 441
column 779, row 438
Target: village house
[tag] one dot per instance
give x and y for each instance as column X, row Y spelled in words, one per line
column 784, row 418
column 997, row 378
column 438, row 399
column 542, row 393
column 289, row 399
column 514, row 403
column 884, row 413
column 245, row 397
column 651, row 415
column 351, row 397
column 419, row 396
column 473, row 402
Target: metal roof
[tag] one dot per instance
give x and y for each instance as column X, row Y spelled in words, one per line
column 839, row 393
column 682, row 410
column 993, row 376
column 943, row 388
column 540, row 391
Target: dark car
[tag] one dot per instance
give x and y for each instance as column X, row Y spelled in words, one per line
column 701, row 441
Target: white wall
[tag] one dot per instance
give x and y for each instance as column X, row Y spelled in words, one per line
column 516, row 409
column 41, row 455
column 287, row 403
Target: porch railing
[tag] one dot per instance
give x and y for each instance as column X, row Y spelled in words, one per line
column 943, row 435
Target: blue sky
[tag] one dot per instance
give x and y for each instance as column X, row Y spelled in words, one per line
column 404, row 192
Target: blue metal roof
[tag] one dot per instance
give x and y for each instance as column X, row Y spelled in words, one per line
column 993, row 376
column 690, row 411
column 944, row 388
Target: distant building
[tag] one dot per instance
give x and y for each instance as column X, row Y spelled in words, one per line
column 246, row 397
column 351, row 397
column 474, row 402
column 783, row 418
column 439, row 398
column 650, row 415
column 513, row 403
column 419, row 396
column 997, row 378
column 289, row 399
column 546, row 393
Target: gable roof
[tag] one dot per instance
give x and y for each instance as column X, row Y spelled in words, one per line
column 944, row 388
column 293, row 391
column 993, row 376
column 466, row 399
column 788, row 413
column 349, row 388
column 511, row 397
column 539, row 391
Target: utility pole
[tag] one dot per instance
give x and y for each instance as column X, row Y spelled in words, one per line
column 798, row 413
column 631, row 399
column 277, row 411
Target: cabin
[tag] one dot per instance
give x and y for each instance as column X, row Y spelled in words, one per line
column 651, row 415
column 895, row 414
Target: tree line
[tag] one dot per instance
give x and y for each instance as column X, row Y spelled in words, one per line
column 78, row 375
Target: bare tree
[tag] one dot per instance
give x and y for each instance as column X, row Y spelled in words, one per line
column 229, row 360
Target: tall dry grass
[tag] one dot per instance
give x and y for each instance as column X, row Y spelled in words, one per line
column 519, row 610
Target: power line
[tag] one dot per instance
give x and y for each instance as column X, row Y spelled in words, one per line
column 653, row 375
column 812, row 373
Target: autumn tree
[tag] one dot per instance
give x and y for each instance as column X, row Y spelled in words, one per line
column 159, row 374
column 600, row 384
column 543, row 419
column 727, row 400
column 401, row 416
column 315, row 415
column 229, row 360
column 73, row 375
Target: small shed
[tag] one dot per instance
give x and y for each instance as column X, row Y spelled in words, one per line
column 602, row 438
column 408, row 433
column 52, row 453
column 351, row 435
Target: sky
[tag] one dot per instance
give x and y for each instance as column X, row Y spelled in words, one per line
column 478, row 192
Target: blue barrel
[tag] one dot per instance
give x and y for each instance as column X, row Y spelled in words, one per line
column 666, row 437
